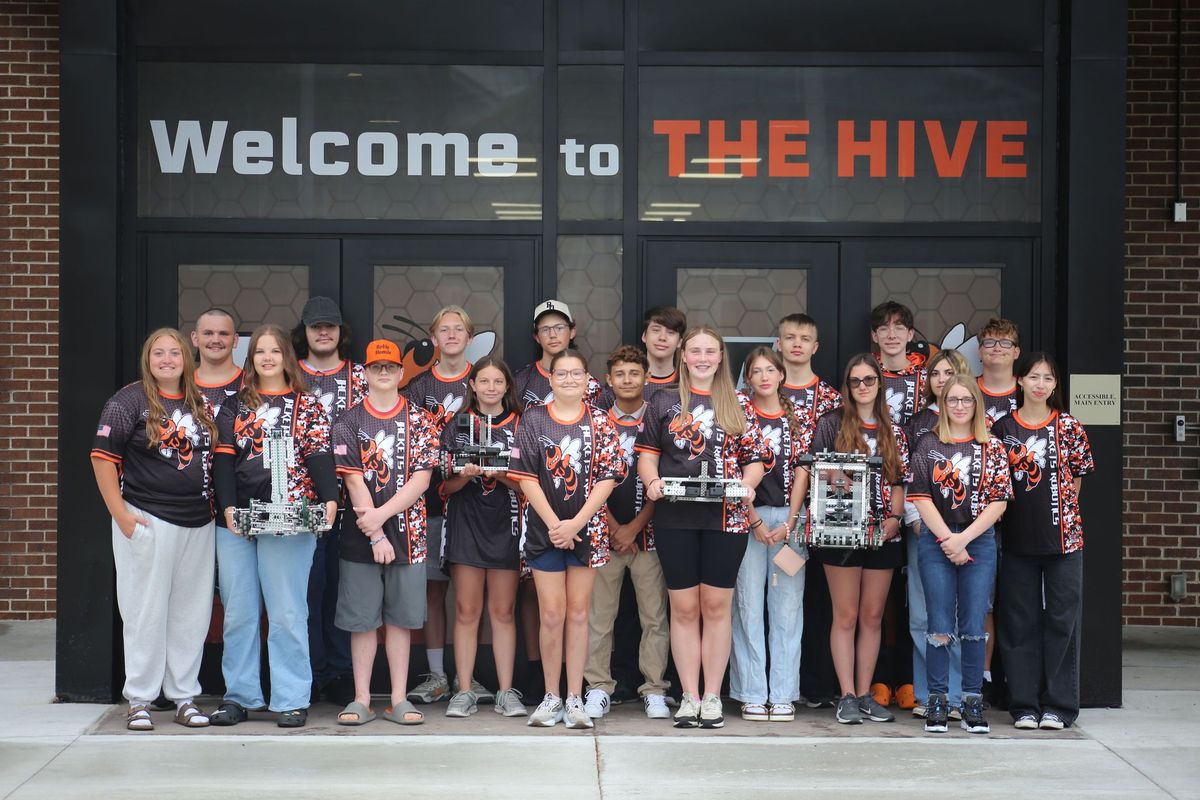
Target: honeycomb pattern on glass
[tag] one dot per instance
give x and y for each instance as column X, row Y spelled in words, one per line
column 741, row 302
column 417, row 292
column 252, row 293
column 589, row 281
column 940, row 297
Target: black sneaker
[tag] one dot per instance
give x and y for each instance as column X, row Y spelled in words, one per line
column 847, row 711
column 973, row 720
column 827, row 702
column 937, row 711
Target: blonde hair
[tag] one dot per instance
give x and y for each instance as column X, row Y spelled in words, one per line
column 193, row 398
column 291, row 367
column 979, row 430
column 957, row 361
column 462, row 313
column 726, row 408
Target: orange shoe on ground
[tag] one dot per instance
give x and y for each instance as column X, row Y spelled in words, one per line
column 882, row 694
column 905, row 698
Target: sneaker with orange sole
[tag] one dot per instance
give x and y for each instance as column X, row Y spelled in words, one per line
column 882, row 694
column 905, row 698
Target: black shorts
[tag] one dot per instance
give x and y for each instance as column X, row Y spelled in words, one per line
column 890, row 556
column 690, row 557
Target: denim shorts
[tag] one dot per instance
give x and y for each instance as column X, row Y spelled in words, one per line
column 555, row 560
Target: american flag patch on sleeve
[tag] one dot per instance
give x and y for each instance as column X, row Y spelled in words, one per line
column 515, row 452
column 103, row 430
column 340, row 450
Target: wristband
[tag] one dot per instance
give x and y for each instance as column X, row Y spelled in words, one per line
column 755, row 524
column 377, row 541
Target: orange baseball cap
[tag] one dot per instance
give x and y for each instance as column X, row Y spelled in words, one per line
column 383, row 350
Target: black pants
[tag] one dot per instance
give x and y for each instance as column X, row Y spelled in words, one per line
column 1040, row 643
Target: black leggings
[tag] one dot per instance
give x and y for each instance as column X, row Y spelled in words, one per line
column 690, row 557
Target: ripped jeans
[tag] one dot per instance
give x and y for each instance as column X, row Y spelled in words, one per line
column 956, row 600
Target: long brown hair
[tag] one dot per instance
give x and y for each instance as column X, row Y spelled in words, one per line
column 193, row 398
column 291, row 367
column 789, row 408
column 508, row 402
column 726, row 408
column 978, row 420
column 957, row 360
column 850, row 438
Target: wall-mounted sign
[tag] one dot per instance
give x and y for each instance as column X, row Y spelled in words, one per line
column 1096, row 399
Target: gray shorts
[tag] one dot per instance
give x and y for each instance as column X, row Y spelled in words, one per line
column 372, row 594
column 436, row 549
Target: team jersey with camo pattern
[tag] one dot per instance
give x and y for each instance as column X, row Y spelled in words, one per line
column 961, row 477
column 1044, row 458
column 567, row 458
column 172, row 481
column 533, row 387
column 218, row 393
column 903, row 388
column 442, row 397
column 997, row 406
column 338, row 389
column 683, row 439
column 653, row 385
column 246, row 430
column 629, row 497
column 825, row 439
column 483, row 517
column 385, row 448
column 923, row 422
column 783, row 453
column 816, row 398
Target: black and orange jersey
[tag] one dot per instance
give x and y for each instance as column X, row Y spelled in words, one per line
column 172, row 481
column 684, row 439
column 218, row 393
column 1044, row 458
column 629, row 497
column 997, row 405
column 533, row 387
column 442, row 396
column 386, row 448
column 245, row 429
column 608, row 399
column 567, row 458
column 783, row 453
column 483, row 526
column 825, row 439
column 922, row 422
column 816, row 398
column 338, row 389
column 903, row 388
column 961, row 477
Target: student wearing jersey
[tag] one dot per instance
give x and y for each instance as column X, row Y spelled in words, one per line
column 942, row 366
column 1041, row 576
column 903, row 372
column 762, row 586
column 385, row 449
column 554, row 331
column 440, row 391
column 999, row 349
column 215, row 338
column 701, row 545
column 960, row 485
column 152, row 456
column 269, row 570
column 567, row 461
column 323, row 345
column 631, row 547
column 859, row 579
column 662, row 329
column 483, row 540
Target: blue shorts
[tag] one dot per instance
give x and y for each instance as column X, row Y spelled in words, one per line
column 555, row 560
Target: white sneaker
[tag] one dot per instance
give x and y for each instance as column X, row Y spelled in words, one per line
column 597, row 703
column 712, row 715
column 577, row 716
column 548, row 713
column 688, row 715
column 656, row 706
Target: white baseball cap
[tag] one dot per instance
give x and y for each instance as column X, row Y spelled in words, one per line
column 556, row 306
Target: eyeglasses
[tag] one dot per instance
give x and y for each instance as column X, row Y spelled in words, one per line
column 383, row 368
column 558, row 329
column 964, row 402
column 1003, row 344
column 868, row 381
column 573, row 374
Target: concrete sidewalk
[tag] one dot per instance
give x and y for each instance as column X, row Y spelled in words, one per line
column 1149, row 749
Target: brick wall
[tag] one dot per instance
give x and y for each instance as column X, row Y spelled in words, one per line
column 1162, row 319
column 28, row 307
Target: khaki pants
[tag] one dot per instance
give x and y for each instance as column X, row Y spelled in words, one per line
column 651, row 591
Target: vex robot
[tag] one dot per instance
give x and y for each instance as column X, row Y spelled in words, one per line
column 839, row 501
column 703, row 488
column 488, row 455
column 279, row 517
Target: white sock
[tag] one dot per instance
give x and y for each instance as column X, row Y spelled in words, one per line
column 987, row 675
column 436, row 661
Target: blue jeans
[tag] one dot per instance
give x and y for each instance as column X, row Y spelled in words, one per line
column 917, row 628
column 272, row 570
column 956, row 598
column 761, row 584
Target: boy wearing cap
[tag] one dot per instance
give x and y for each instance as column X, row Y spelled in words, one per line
column 554, row 331
column 322, row 343
column 385, row 449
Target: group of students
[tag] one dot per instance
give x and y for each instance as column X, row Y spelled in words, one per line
column 717, row 584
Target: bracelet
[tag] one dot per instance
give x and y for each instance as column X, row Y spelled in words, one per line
column 755, row 524
column 374, row 542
